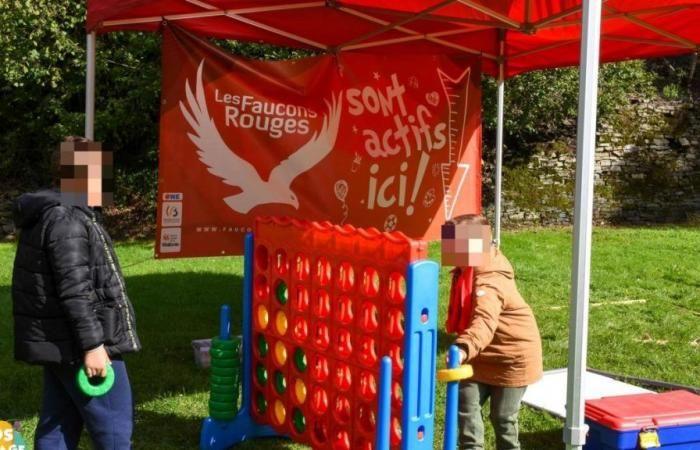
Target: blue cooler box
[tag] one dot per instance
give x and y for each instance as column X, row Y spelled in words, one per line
column 632, row 422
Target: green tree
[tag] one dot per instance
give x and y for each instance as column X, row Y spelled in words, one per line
column 42, row 49
column 544, row 104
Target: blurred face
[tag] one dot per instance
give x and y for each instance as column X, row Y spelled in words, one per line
column 466, row 245
column 86, row 174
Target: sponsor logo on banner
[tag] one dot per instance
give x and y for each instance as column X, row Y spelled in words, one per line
column 172, row 197
column 172, row 214
column 170, row 240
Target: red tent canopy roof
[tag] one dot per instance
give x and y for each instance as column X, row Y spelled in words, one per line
column 538, row 34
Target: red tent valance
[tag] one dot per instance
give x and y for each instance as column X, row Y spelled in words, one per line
column 538, row 33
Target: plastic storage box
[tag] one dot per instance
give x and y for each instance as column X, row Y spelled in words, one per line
column 671, row 419
column 202, row 358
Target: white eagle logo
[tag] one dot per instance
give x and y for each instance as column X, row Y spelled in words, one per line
column 236, row 171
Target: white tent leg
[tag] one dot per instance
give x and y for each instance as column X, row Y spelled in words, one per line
column 499, row 140
column 90, row 88
column 575, row 428
column 499, row 157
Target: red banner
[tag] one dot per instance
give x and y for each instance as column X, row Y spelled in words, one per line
column 386, row 141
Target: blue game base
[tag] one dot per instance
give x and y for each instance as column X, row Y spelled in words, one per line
column 224, row 434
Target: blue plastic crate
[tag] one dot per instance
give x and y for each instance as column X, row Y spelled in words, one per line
column 616, row 422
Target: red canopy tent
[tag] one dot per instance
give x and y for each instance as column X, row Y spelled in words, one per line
column 511, row 36
column 539, row 33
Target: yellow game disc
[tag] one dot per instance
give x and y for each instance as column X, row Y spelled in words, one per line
column 263, row 317
column 280, row 353
column 456, row 374
column 281, row 323
column 280, row 412
column 299, row 391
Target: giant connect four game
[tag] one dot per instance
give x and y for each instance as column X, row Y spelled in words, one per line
column 323, row 305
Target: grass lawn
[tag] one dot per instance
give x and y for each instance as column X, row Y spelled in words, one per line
column 176, row 301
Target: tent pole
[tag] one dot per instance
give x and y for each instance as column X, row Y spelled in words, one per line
column 90, row 88
column 499, row 141
column 575, row 428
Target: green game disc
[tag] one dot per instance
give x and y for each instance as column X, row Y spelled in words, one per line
column 95, row 387
column 261, row 403
column 263, row 348
column 261, row 374
column 299, row 421
column 282, row 293
column 300, row 359
column 280, row 383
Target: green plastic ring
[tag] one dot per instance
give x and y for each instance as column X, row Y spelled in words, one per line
column 220, row 416
column 217, row 353
column 223, row 398
column 215, row 405
column 225, row 351
column 95, row 390
column 227, row 389
column 225, row 363
column 218, row 344
column 224, row 371
column 217, row 379
column 223, row 415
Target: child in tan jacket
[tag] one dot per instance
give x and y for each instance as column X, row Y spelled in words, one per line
column 497, row 333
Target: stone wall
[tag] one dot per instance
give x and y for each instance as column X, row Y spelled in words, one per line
column 647, row 171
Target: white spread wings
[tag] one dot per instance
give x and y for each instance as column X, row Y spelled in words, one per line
column 313, row 152
column 212, row 149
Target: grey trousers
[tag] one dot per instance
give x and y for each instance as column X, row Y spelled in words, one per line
column 505, row 405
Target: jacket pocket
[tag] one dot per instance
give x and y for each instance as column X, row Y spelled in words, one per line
column 111, row 324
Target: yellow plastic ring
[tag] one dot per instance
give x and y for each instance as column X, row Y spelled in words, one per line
column 456, row 374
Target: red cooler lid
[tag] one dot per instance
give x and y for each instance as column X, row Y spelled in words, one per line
column 634, row 412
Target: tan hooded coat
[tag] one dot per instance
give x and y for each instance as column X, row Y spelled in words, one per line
column 502, row 340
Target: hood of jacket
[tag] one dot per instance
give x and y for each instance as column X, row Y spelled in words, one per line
column 28, row 208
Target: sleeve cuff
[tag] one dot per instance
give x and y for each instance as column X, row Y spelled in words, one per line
column 465, row 347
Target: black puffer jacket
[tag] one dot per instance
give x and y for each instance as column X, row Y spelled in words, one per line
column 68, row 292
